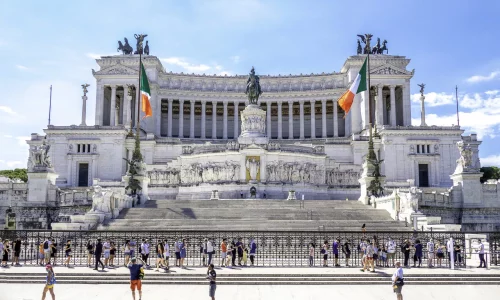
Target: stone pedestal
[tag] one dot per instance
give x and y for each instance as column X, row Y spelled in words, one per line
column 472, row 191
column 39, row 183
column 253, row 126
column 214, row 195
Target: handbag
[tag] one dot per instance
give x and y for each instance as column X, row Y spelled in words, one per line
column 399, row 282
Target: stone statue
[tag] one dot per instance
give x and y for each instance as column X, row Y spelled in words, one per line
column 140, row 40
column 39, row 157
column 252, row 166
column 366, row 38
column 360, row 50
column 377, row 47
column 126, row 49
column 101, row 200
column 146, row 48
column 383, row 48
column 253, row 89
column 422, row 86
column 465, row 155
column 84, row 87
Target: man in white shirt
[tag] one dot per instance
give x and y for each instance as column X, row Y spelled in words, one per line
column 210, row 251
column 362, row 250
column 391, row 250
column 430, row 254
column 480, row 250
column 145, row 251
column 449, row 248
column 396, row 277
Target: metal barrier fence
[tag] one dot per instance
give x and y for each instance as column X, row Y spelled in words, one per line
column 494, row 240
column 274, row 248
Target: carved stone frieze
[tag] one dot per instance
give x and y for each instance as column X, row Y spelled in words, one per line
column 295, row 172
column 337, row 177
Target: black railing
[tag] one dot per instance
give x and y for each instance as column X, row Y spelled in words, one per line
column 494, row 240
column 274, row 248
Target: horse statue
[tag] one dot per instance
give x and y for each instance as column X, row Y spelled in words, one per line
column 359, row 50
column 375, row 50
column 366, row 38
column 253, row 89
column 383, row 48
column 126, row 49
column 146, row 48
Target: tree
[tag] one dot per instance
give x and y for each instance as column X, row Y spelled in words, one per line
column 15, row 174
column 490, row 173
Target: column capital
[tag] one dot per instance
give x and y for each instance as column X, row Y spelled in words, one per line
column 392, row 86
column 170, row 100
column 323, row 101
column 225, row 103
column 279, row 103
column 312, row 101
column 113, row 86
column 301, row 101
column 236, row 102
column 268, row 103
column 181, row 101
column 290, row 102
column 214, row 102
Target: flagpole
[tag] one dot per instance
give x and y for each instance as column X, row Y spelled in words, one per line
column 370, row 121
column 456, row 96
column 50, row 102
column 139, row 95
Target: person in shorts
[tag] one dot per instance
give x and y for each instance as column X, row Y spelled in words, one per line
column 106, row 246
column 391, row 250
column 46, row 250
column 177, row 253
column 126, row 252
column 223, row 252
column 212, row 276
column 112, row 253
column 430, row 253
column 41, row 256
column 335, row 252
column 49, row 282
column 135, row 276
column 397, row 281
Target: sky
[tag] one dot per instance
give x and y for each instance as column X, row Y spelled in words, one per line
column 43, row 43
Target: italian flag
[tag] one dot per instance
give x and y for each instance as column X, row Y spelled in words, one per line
column 145, row 94
column 358, row 86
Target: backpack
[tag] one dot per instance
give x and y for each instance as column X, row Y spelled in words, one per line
column 46, row 245
column 141, row 273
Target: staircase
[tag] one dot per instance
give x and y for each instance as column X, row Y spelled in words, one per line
column 278, row 215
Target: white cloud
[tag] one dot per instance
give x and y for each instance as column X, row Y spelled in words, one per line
column 235, row 59
column 8, row 110
column 22, row 140
column 492, row 93
column 22, row 68
column 433, row 99
column 481, row 78
column 471, row 102
column 183, row 63
column 12, row 164
column 7, row 136
column 98, row 56
column 492, row 160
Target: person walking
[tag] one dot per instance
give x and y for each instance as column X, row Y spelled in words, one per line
column 145, row 248
column 136, row 274
column 418, row 254
column 159, row 255
column 98, row 253
column 212, row 277
column 67, row 253
column 49, row 283
column 398, row 281
column 223, row 252
column 253, row 251
column 166, row 254
column 430, row 253
column 17, row 252
column 480, row 250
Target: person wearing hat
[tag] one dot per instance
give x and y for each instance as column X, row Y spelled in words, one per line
column 49, row 283
column 136, row 274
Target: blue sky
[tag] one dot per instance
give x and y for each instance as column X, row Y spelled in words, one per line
column 56, row 42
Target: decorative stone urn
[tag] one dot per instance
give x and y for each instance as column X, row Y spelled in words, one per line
column 253, row 126
column 291, row 195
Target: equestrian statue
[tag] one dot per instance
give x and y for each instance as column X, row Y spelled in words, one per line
column 253, row 89
column 126, row 49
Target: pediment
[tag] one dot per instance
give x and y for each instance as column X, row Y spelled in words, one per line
column 117, row 69
column 389, row 69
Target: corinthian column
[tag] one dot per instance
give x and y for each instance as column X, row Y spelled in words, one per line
column 323, row 118
column 280, row 120
column 224, row 120
column 290, row 120
column 169, row 129
column 236, row 120
column 313, row 119
column 392, row 88
column 301, row 106
column 335, row 119
column 203, row 119
column 191, row 120
column 380, row 106
column 214, row 120
column 268, row 119
column 181, row 118
column 112, row 114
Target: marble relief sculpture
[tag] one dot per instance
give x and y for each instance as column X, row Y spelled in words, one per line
column 294, row 172
column 39, row 157
column 465, row 160
column 214, row 172
column 253, row 166
column 337, row 177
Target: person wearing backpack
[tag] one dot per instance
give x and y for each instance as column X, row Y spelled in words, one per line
column 46, row 250
column 49, row 282
column 136, row 276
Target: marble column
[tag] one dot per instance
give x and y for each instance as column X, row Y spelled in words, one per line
column 181, row 118
column 137, row 100
column 301, row 106
column 313, row 119
column 406, row 103
column 214, row 120
column 335, row 118
column 379, row 108
column 99, row 104
column 224, row 120
column 290, row 120
column 169, row 129
column 268, row 119
column 84, row 111
column 236, row 120
column 191, row 119
column 203, row 119
column 392, row 88
column 112, row 114
column 127, row 110
column 323, row 118
column 280, row 120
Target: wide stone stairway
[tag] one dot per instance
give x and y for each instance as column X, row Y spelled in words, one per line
column 276, row 215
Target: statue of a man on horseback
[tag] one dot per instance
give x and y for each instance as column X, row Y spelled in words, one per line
column 126, row 49
column 253, row 89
